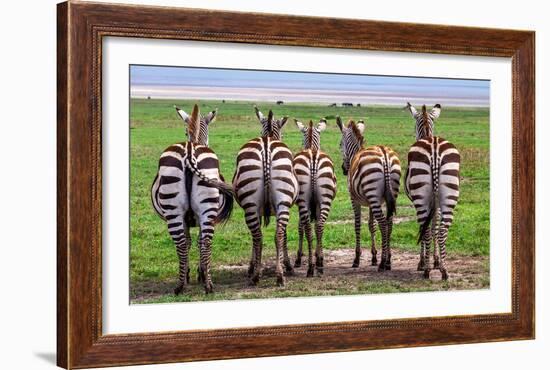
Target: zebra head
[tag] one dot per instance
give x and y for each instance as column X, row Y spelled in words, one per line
column 352, row 141
column 270, row 126
column 424, row 120
column 312, row 135
column 196, row 128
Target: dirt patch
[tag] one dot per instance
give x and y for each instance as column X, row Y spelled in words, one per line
column 396, row 220
column 339, row 278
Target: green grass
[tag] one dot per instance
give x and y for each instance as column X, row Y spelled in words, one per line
column 155, row 125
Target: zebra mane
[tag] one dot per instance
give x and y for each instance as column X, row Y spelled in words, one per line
column 356, row 132
column 271, row 127
column 311, row 134
column 269, row 123
column 196, row 128
column 193, row 126
column 424, row 119
column 426, row 122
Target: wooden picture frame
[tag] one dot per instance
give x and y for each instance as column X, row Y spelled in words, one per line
column 81, row 28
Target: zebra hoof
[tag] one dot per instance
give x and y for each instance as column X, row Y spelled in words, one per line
column 280, row 281
column 288, row 268
column 355, row 264
column 319, row 262
column 254, row 280
column 310, row 271
column 179, row 289
column 298, row 262
column 421, row 266
column 426, row 274
column 444, row 275
column 320, row 270
column 208, row 288
column 374, row 261
column 250, row 270
column 436, row 264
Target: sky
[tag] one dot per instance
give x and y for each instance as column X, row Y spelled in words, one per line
column 254, row 85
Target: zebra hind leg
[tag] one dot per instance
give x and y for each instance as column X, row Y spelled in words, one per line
column 372, row 230
column 182, row 239
column 442, row 241
column 357, row 219
column 305, row 226
column 425, row 259
column 280, row 236
column 319, row 255
column 389, row 226
column 254, row 270
column 299, row 254
column 289, row 270
column 437, row 217
column 205, row 245
column 385, row 263
column 425, row 242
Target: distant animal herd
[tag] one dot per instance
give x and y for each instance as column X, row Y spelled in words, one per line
column 189, row 190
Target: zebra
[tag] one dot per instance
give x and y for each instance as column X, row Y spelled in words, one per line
column 315, row 173
column 373, row 179
column 188, row 190
column 432, row 184
column 265, row 184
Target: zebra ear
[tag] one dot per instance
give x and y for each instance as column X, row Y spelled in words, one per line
column 300, row 125
column 411, row 109
column 184, row 116
column 322, row 125
column 283, row 122
column 361, row 126
column 436, row 111
column 259, row 114
column 339, row 123
column 210, row 117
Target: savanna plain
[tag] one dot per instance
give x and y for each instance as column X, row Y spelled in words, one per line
column 154, row 125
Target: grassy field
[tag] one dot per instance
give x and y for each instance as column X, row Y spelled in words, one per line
column 154, row 125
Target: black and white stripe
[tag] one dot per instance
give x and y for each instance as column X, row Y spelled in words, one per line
column 189, row 191
column 317, row 183
column 373, row 180
column 265, row 184
column 197, row 130
column 432, row 184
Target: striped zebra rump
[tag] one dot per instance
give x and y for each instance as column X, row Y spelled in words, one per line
column 265, row 185
column 432, row 184
column 264, row 178
column 188, row 191
column 374, row 178
column 188, row 178
column 317, row 188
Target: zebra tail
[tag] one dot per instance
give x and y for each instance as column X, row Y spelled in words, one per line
column 224, row 213
column 267, row 189
column 390, row 202
column 226, row 191
column 388, row 194
column 313, row 200
column 426, row 224
column 435, row 189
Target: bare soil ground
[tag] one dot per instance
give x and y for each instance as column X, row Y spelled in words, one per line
column 339, row 278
